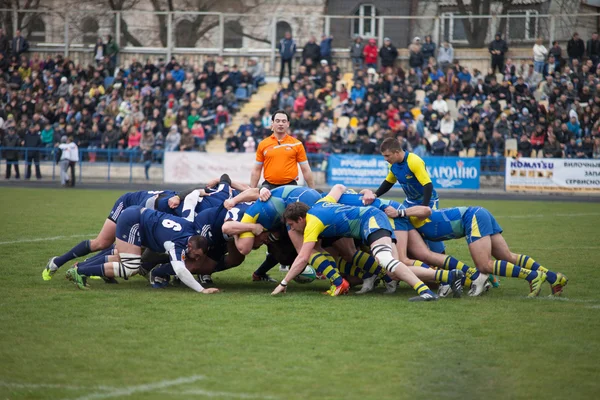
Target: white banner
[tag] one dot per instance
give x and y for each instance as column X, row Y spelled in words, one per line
column 194, row 167
column 552, row 175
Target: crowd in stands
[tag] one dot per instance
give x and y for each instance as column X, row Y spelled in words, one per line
column 148, row 107
column 547, row 106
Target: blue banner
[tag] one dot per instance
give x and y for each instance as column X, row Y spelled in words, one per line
column 369, row 171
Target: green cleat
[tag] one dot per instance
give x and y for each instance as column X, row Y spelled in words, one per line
column 78, row 280
column 559, row 285
column 536, row 285
column 494, row 281
column 50, row 270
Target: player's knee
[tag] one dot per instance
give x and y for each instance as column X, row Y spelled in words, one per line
column 383, row 255
column 100, row 243
column 244, row 248
column 128, row 266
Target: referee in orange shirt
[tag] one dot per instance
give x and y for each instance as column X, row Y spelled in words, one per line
column 278, row 157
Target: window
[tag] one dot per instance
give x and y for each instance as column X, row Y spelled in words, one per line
column 233, row 35
column 281, row 29
column 184, row 35
column 367, row 24
column 453, row 28
column 37, row 30
column 90, row 30
column 522, row 25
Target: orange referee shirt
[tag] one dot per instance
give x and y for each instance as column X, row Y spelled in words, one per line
column 280, row 158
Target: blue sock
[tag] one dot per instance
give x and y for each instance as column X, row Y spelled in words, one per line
column 80, row 250
column 164, row 271
column 91, row 270
column 100, row 257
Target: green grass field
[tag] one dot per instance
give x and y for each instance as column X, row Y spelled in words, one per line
column 131, row 341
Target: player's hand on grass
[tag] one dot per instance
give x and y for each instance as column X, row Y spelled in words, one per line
column 258, row 229
column 278, row 289
column 229, row 204
column 210, row 291
column 264, row 194
column 368, row 196
column 391, row 212
column 174, row 202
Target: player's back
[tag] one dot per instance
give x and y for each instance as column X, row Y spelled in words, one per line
column 443, row 224
column 338, row 219
column 356, row 200
column 141, row 198
column 158, row 228
column 292, row 193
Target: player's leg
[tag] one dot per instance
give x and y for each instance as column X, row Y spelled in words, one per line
column 556, row 280
column 382, row 248
column 504, row 266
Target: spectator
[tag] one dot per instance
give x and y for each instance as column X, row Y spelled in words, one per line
column 325, row 48
column 593, row 50
column 256, row 70
column 4, row 44
column 221, row 120
column 147, row 146
column 11, row 141
column 249, row 143
column 311, row 51
column 446, row 55
column 287, row 50
column 556, row 51
column 438, row 148
column 481, row 145
column 99, row 51
column 232, row 144
column 19, row 44
column 596, row 151
column 47, row 136
column 187, row 141
column 455, row 146
column 367, row 146
column 575, row 48
column 416, row 60
column 524, row 147
column 199, row 136
column 32, row 139
column 552, row 148
column 428, row 49
column 112, row 52
column 447, row 125
column 388, row 54
column 498, row 49
column 370, row 53
column 356, row 53
column 172, row 140
column 440, row 105
column 571, row 149
column 539, row 55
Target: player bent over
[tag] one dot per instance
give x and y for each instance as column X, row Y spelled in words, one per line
column 160, row 232
column 486, row 243
column 327, row 218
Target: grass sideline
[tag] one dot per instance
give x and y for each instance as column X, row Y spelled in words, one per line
column 130, row 341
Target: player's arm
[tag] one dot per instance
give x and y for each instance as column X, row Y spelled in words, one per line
column 335, row 193
column 417, row 166
column 307, row 174
column 239, row 186
column 386, row 185
column 244, row 233
column 250, row 194
column 420, row 212
column 182, row 272
column 297, row 267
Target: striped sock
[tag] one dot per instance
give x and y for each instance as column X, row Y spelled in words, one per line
column 325, row 264
column 504, row 268
column 420, row 287
column 524, row 261
column 369, row 265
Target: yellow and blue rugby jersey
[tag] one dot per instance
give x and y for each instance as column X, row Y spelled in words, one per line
column 412, row 175
column 443, row 224
column 327, row 218
column 269, row 213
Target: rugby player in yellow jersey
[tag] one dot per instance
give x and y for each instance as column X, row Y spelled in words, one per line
column 327, row 218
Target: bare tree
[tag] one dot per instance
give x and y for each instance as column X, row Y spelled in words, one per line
column 24, row 19
column 476, row 29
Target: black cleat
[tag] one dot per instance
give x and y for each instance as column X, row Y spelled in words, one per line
column 456, row 284
column 425, row 297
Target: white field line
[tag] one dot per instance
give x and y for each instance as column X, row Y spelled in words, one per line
column 563, row 215
column 43, row 239
column 129, row 390
column 206, row 393
column 52, row 386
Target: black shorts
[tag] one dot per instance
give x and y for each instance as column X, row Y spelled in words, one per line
column 272, row 186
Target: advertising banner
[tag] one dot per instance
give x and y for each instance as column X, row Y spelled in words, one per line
column 552, row 175
column 370, row 171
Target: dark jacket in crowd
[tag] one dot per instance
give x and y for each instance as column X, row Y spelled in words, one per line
column 388, row 55
column 575, row 48
column 11, row 141
column 287, row 48
column 498, row 44
column 312, row 51
column 32, row 139
column 428, row 50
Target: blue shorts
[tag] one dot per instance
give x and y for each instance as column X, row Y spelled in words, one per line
column 402, row 224
column 132, row 199
column 128, row 226
column 436, row 247
column 375, row 220
column 478, row 223
column 118, row 208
